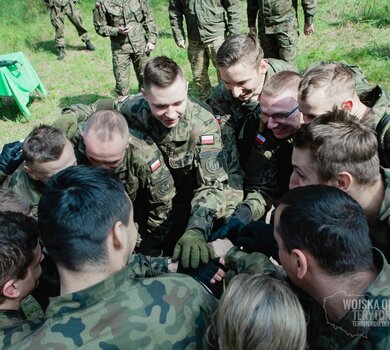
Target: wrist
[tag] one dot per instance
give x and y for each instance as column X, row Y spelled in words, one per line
column 172, row 265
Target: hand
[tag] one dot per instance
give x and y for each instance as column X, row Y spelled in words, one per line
column 221, row 247
column 67, row 123
column 308, row 29
column 149, row 47
column 11, row 157
column 192, row 247
column 181, row 44
column 211, row 272
column 252, row 31
column 123, row 30
column 232, row 227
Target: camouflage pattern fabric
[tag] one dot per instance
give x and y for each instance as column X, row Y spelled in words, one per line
column 278, row 25
column 166, row 312
column 58, row 10
column 108, row 16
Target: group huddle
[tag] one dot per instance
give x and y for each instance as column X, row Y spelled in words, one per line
column 255, row 218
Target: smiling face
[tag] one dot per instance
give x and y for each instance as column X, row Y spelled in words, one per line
column 167, row 104
column 280, row 114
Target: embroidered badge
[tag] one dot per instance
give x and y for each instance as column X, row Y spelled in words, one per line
column 213, row 165
column 260, row 139
column 155, row 164
column 218, row 118
column 207, row 139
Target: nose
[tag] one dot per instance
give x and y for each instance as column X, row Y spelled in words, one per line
column 236, row 91
column 272, row 123
column 293, row 181
column 170, row 113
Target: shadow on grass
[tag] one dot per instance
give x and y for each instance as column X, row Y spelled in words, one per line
column 9, row 110
column 165, row 35
column 381, row 52
column 84, row 99
column 48, row 46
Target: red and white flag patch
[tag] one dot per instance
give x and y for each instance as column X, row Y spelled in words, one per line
column 207, row 139
column 155, row 164
column 260, row 139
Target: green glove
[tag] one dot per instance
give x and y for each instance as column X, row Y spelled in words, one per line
column 68, row 124
column 192, row 246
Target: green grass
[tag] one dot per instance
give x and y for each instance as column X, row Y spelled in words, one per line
column 355, row 31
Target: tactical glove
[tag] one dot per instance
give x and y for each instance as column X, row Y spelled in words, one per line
column 11, row 157
column 67, row 123
column 192, row 248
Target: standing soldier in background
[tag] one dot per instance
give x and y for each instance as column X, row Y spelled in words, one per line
column 278, row 25
column 207, row 22
column 58, row 10
column 133, row 32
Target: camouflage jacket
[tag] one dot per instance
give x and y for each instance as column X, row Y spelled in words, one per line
column 379, row 102
column 165, row 312
column 206, row 19
column 148, row 183
column 192, row 151
column 109, row 15
column 277, row 16
column 59, row 3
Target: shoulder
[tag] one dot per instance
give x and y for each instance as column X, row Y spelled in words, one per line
column 200, row 110
column 275, row 65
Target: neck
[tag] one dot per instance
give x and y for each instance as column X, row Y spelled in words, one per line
column 10, row 304
column 360, row 110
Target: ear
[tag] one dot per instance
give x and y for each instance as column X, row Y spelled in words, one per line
column 344, row 181
column 263, row 66
column 144, row 93
column 29, row 172
column 347, row 105
column 300, row 262
column 118, row 236
column 10, row 290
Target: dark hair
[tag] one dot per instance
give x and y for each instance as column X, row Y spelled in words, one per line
column 77, row 211
column 11, row 201
column 44, row 144
column 161, row 71
column 18, row 238
column 330, row 225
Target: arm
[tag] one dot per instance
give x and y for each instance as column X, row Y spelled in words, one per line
column 176, row 14
column 233, row 11
column 100, row 22
column 146, row 266
column 149, row 23
column 309, row 10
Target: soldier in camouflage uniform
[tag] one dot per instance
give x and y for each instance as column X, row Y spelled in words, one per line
column 133, row 33
column 278, row 25
column 108, row 307
column 336, row 84
column 354, row 167
column 208, row 21
column 58, row 10
column 342, row 283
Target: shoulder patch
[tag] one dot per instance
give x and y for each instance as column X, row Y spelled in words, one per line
column 218, row 118
column 260, row 139
column 155, row 164
column 207, row 139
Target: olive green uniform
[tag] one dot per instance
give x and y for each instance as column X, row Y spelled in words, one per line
column 108, row 16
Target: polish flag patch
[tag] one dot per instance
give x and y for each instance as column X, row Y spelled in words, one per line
column 207, row 139
column 155, row 164
column 260, row 139
column 218, row 118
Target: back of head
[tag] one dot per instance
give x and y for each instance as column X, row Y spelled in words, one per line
column 334, row 79
column 240, row 48
column 161, row 71
column 330, row 225
column 340, row 142
column 18, row 238
column 11, row 201
column 259, row 312
column 44, row 144
column 107, row 125
column 77, row 212
column 281, row 82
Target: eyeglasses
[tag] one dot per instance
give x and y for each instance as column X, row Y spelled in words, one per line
column 281, row 116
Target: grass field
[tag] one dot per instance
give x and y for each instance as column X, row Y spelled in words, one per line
column 356, row 31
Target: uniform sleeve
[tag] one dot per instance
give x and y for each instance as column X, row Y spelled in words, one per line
column 209, row 201
column 146, row 266
column 251, row 10
column 233, row 11
column 149, row 22
column 176, row 16
column 309, row 10
column 100, row 21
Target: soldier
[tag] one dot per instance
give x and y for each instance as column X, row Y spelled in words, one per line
column 334, row 84
column 58, row 10
column 278, row 25
column 89, row 231
column 208, row 21
column 336, row 149
column 46, row 150
column 105, row 140
column 133, row 33
column 325, row 250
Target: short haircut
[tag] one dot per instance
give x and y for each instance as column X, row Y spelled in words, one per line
column 282, row 81
column 11, row 201
column 341, row 142
column 330, row 225
column 259, row 312
column 76, row 213
column 44, row 144
column 18, row 238
column 107, row 124
column 240, row 48
column 161, row 71
column 335, row 79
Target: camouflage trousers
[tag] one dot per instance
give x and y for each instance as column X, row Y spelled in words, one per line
column 281, row 45
column 121, row 59
column 57, row 16
column 199, row 55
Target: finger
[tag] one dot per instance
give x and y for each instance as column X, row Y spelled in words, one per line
column 205, row 253
column 185, row 255
column 195, row 256
column 176, row 252
column 212, row 281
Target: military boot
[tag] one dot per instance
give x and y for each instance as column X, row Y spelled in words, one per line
column 89, row 46
column 60, row 53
